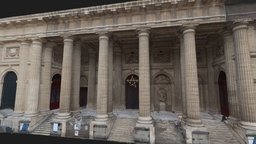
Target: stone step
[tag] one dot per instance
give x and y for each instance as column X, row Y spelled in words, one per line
column 123, row 130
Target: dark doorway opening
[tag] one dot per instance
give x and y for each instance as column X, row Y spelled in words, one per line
column 9, row 91
column 132, row 92
column 83, row 96
column 55, row 92
column 223, row 92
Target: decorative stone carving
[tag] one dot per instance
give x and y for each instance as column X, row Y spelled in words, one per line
column 161, row 56
column 131, row 56
column 162, row 94
column 83, row 81
column 57, row 55
column 12, row 52
column 162, row 79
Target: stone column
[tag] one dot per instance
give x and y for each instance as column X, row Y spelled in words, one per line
column 103, row 69
column 66, row 78
column 144, row 123
column 91, row 96
column 191, row 81
column 118, row 79
column 22, row 77
column 76, row 71
column 144, row 77
column 34, row 78
column 110, row 78
column 45, row 89
column 183, row 92
column 245, row 85
column 231, row 79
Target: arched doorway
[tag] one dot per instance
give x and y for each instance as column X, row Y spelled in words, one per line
column 55, row 92
column 223, row 94
column 132, row 92
column 9, row 91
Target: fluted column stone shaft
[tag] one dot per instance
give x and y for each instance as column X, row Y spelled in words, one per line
column 144, row 77
column 110, row 77
column 34, row 78
column 245, row 85
column 45, row 89
column 191, row 81
column 103, row 70
column 91, row 96
column 76, row 72
column 22, row 77
column 231, row 79
column 66, row 77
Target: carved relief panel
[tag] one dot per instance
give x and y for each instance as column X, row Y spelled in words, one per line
column 12, row 52
column 131, row 56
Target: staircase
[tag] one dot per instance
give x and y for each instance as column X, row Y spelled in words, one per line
column 44, row 128
column 219, row 132
column 167, row 133
column 123, row 130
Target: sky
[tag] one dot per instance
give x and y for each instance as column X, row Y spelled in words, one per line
column 10, row 8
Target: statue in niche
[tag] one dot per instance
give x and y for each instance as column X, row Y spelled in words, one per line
column 162, row 95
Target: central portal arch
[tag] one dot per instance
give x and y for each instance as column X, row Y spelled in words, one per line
column 223, row 93
column 132, row 92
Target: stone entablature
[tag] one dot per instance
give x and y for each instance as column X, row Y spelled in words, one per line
column 114, row 17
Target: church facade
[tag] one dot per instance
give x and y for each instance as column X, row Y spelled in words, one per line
column 180, row 56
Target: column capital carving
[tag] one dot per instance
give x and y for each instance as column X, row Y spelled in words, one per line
column 37, row 40
column 103, row 34
column 67, row 37
column 188, row 28
column 240, row 24
column 143, row 31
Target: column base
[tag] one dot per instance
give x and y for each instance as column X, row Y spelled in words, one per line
column 30, row 114
column 144, row 131
column 196, row 134
column 248, row 125
column 61, row 115
column 100, row 128
column 194, row 122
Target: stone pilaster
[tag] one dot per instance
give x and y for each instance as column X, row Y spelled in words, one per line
column 177, row 80
column 245, row 85
column 91, row 96
column 212, row 107
column 22, row 77
column 231, row 79
column 110, row 78
column 144, row 77
column 191, row 81
column 76, row 70
column 182, row 67
column 103, row 69
column 45, row 89
column 117, row 101
column 34, row 78
column 66, row 78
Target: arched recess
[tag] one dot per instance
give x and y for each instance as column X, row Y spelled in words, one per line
column 9, row 90
column 55, row 92
column 223, row 94
column 132, row 92
column 163, row 93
